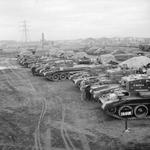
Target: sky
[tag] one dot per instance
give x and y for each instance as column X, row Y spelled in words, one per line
column 74, row 19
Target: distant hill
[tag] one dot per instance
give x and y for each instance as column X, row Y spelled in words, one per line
column 80, row 44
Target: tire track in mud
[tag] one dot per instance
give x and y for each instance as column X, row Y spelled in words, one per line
column 5, row 145
column 82, row 136
column 37, row 132
column 47, row 141
column 9, row 80
column 24, row 81
column 38, row 145
column 19, row 75
column 63, row 132
column 48, row 95
column 68, row 143
column 82, row 133
column 66, row 138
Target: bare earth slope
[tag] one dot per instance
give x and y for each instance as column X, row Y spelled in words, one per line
column 36, row 114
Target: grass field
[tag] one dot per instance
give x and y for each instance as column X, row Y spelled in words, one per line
column 36, row 114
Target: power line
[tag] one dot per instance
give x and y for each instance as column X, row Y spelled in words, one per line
column 25, row 31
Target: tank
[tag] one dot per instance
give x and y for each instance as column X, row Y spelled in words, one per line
column 131, row 99
column 95, row 83
column 96, row 86
column 77, row 81
column 127, row 97
column 40, row 66
column 44, row 66
column 76, row 75
column 84, row 60
column 101, row 77
column 63, row 72
column 27, row 60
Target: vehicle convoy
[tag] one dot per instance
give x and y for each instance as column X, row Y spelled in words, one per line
column 131, row 99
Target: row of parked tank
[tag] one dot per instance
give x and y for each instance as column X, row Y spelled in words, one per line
column 56, row 69
column 121, row 92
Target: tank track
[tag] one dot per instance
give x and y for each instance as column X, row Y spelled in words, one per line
column 130, row 104
column 60, row 77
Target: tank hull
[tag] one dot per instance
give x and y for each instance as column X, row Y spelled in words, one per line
column 131, row 108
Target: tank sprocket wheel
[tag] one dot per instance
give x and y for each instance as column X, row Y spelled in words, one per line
column 125, row 111
column 141, row 111
column 55, row 77
column 63, row 76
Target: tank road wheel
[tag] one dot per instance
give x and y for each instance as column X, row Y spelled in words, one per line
column 125, row 111
column 55, row 77
column 141, row 111
column 63, row 76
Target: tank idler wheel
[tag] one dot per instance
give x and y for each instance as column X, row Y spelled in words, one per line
column 141, row 111
column 49, row 77
column 63, row 76
column 55, row 77
column 125, row 111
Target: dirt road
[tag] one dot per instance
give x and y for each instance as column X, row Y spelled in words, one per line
column 36, row 114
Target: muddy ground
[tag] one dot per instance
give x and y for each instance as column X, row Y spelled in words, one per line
column 36, row 114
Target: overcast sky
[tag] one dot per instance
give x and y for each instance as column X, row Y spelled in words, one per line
column 72, row 19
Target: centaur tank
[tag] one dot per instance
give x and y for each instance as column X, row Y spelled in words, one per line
column 130, row 100
column 64, row 72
